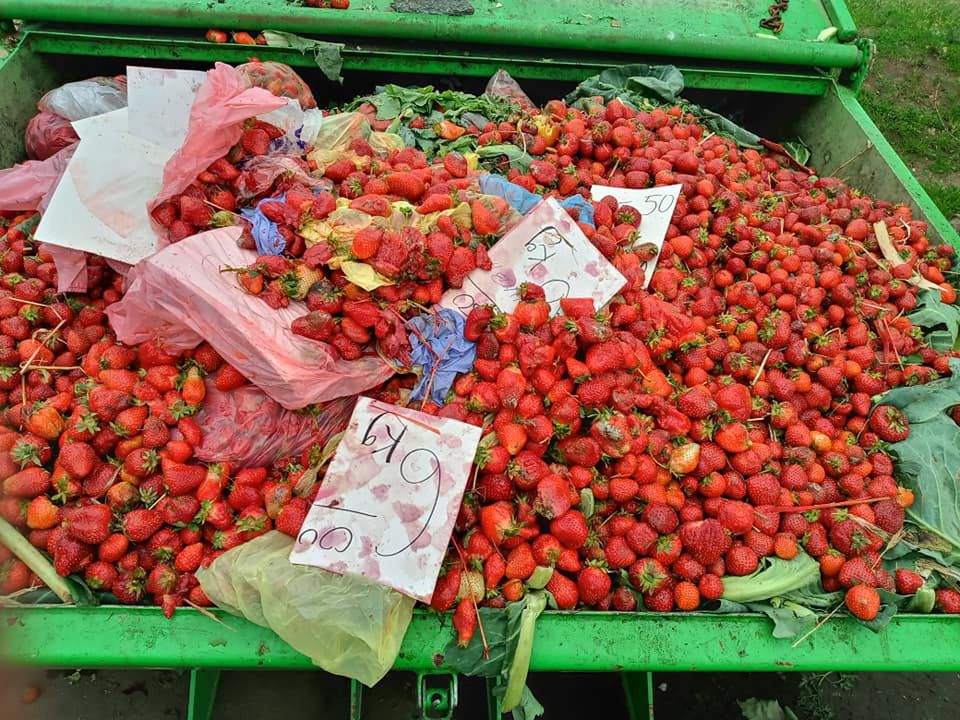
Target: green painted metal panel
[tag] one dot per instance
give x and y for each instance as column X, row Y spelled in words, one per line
column 726, row 30
column 141, row 637
column 476, row 61
column 24, row 77
column 845, row 142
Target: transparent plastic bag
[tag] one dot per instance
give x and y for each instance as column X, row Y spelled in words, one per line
column 345, row 624
column 247, row 429
column 47, row 134
column 281, row 80
column 181, row 295
column 86, row 98
column 502, row 84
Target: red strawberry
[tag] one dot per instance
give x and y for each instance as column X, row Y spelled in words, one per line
column 704, row 540
column 181, row 479
column 593, row 585
column 128, row 587
column 948, row 600
column 889, row 423
column 462, row 262
column 292, row 516
column 89, row 524
column 229, row 378
column 195, row 211
column 484, row 220
column 28, row 483
column 520, row 562
column 70, row 556
column 139, row 525
column 255, row 141
column 907, row 581
column 564, row 591
column 570, row 529
column 78, row 459
column 100, row 575
column 477, row 322
column 405, row 184
column 497, row 521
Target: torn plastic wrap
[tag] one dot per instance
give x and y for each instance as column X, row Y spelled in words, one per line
column 345, row 624
column 181, row 295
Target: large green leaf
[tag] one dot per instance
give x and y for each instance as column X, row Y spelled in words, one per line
column 929, row 459
column 942, row 321
column 639, row 83
column 773, row 578
column 325, row 54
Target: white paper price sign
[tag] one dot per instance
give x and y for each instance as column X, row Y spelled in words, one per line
column 656, row 206
column 390, row 498
column 546, row 248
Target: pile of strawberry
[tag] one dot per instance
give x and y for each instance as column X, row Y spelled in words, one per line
column 96, row 448
column 420, row 260
column 639, row 453
column 721, row 416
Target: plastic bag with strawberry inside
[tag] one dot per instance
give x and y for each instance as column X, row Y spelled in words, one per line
column 47, row 134
column 244, row 427
column 184, row 296
column 281, row 80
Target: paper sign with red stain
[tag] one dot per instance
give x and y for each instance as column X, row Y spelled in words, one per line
column 390, row 498
column 549, row 249
column 656, row 206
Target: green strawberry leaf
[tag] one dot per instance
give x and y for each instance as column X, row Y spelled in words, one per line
column 509, row 634
column 941, row 320
column 325, row 54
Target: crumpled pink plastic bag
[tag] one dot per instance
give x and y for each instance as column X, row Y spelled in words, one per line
column 223, row 102
column 181, row 295
column 246, row 428
column 47, row 134
column 27, row 185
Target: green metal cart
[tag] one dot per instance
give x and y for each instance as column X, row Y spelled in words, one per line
column 800, row 79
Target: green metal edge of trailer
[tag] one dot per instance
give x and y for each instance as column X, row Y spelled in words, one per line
column 140, row 637
column 705, row 29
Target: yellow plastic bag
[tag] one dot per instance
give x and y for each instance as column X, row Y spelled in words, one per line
column 333, row 140
column 345, row 624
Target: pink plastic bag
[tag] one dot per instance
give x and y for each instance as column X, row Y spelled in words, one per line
column 247, row 429
column 223, row 102
column 181, row 295
column 25, row 186
column 47, row 134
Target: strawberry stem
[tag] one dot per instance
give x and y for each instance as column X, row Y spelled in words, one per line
column 34, row 559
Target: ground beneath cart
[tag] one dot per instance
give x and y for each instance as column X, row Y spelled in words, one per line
column 162, row 695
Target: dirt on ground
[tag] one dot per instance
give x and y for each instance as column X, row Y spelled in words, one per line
column 162, row 695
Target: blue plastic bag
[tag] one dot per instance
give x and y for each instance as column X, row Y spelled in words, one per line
column 523, row 201
column 265, row 232
column 446, row 354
